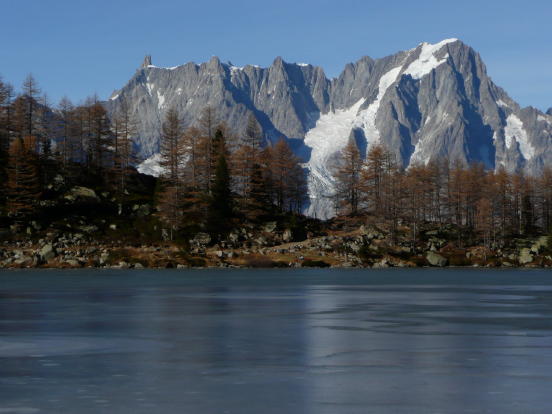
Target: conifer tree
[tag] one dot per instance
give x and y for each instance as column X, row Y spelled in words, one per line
column 23, row 187
column 100, row 138
column 220, row 206
column 347, row 175
column 64, row 150
column 31, row 91
column 170, row 198
column 124, row 156
column 285, row 177
column 243, row 162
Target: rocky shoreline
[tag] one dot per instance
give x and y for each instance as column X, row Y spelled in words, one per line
column 268, row 247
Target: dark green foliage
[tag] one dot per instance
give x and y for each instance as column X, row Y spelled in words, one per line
column 314, row 263
column 298, row 228
column 220, row 205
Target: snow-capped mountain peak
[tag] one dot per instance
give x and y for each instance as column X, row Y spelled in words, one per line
column 432, row 102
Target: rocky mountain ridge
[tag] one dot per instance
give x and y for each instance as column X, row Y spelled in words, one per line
column 427, row 103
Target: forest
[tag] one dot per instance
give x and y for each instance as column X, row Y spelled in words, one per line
column 213, row 181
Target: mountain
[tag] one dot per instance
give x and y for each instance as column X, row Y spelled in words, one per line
column 430, row 102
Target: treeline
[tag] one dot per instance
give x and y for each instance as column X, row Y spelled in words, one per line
column 38, row 142
column 211, row 178
column 491, row 206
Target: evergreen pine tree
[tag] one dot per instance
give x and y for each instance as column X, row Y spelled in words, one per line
column 220, row 206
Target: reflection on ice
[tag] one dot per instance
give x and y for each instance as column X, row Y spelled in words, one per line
column 304, row 341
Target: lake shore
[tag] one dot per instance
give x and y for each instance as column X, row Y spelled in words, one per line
column 359, row 249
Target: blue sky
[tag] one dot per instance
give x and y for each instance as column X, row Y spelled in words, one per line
column 78, row 47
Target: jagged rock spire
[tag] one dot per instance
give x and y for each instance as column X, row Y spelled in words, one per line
column 147, row 61
column 549, row 112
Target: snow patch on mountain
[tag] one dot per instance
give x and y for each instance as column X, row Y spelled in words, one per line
column 500, row 102
column 515, row 132
column 159, row 67
column 427, row 61
column 151, row 166
column 367, row 118
column 329, row 136
column 149, row 87
column 160, row 100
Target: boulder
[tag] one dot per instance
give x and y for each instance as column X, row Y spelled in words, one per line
column 201, row 239
column 287, row 236
column 539, row 245
column 233, row 237
column 73, row 263
column 47, row 252
column 436, row 259
column 270, row 226
column 525, row 256
column 81, row 193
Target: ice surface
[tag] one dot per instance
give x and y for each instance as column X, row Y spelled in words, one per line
column 303, row 341
column 515, row 132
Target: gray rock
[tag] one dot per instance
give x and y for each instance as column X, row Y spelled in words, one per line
column 73, row 263
column 436, row 259
column 539, row 245
column 270, row 226
column 47, row 252
column 82, row 193
column 525, row 256
column 201, row 239
column 287, row 236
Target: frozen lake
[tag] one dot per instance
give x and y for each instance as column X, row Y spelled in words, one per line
column 276, row 341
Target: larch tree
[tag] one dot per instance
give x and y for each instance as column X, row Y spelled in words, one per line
column 100, row 138
column 347, row 173
column 23, row 186
column 31, row 91
column 124, row 157
column 64, row 150
column 170, row 199
column 244, row 160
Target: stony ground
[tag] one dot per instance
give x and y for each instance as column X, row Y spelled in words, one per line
column 270, row 247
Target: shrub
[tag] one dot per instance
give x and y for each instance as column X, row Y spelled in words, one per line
column 314, row 263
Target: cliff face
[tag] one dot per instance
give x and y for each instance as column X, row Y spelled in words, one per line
column 427, row 103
